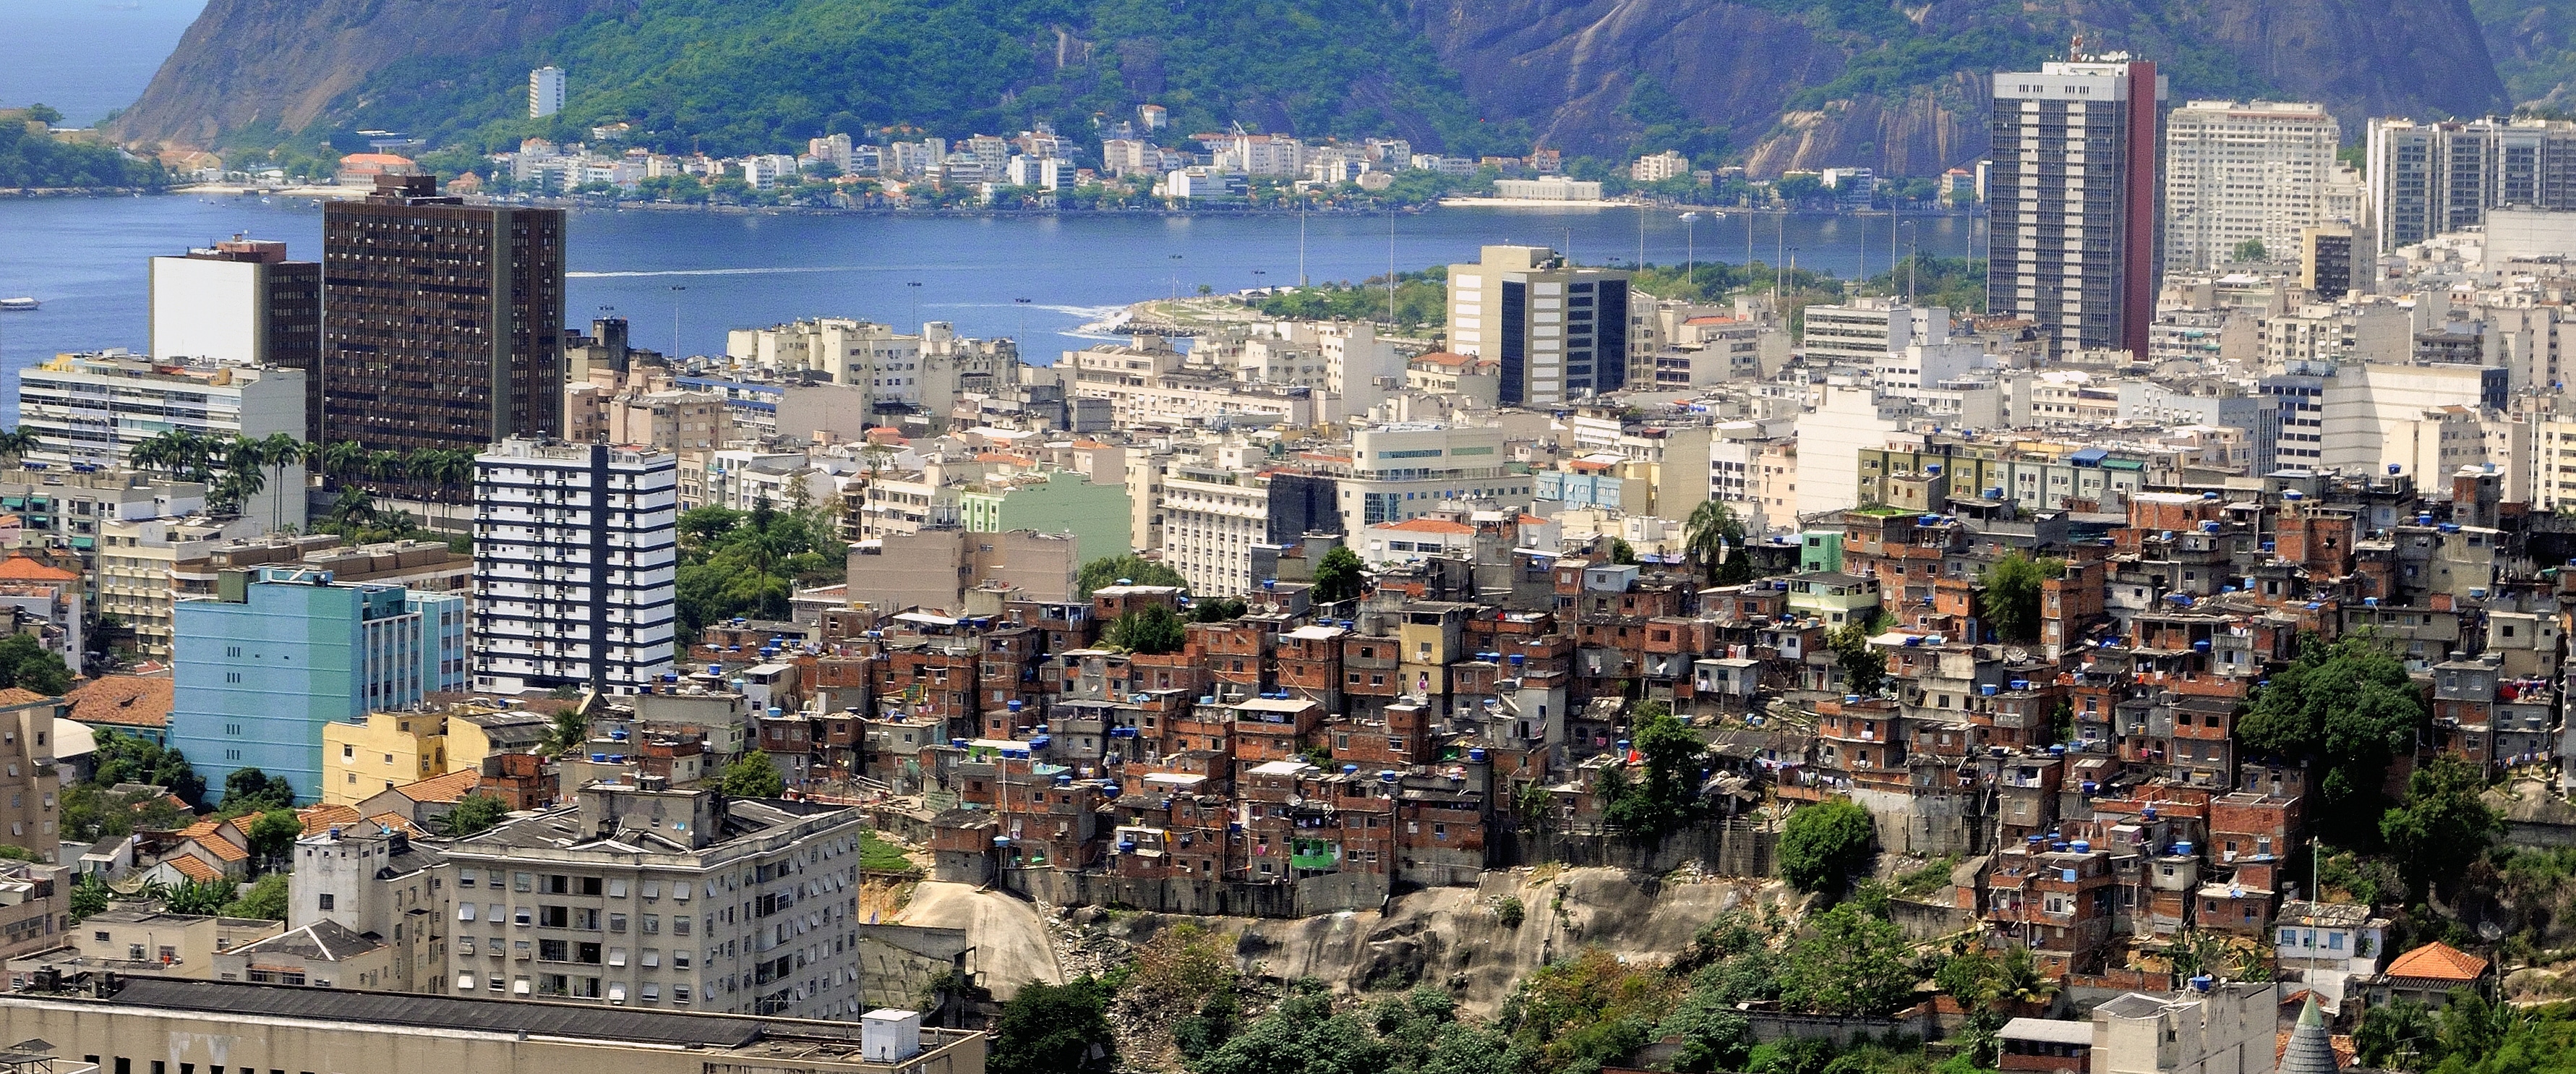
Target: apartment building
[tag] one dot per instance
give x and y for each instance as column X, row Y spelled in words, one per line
column 28, row 779
column 2074, row 192
column 2430, row 178
column 575, row 559
column 1865, row 331
column 90, row 409
column 650, row 897
column 2238, row 172
column 1560, row 332
column 1212, row 516
column 136, row 562
column 240, row 302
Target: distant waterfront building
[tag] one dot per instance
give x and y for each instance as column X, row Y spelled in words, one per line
column 2076, row 247
column 1657, row 167
column 241, row 302
column 281, row 652
column 575, row 560
column 1559, row 332
column 2235, row 172
column 443, row 324
column 1548, row 188
column 545, row 92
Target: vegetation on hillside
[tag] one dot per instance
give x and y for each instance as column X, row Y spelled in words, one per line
column 750, row 563
column 737, row 76
column 32, row 157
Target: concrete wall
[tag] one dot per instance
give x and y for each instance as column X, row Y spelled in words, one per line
column 1729, row 846
column 1183, row 895
column 897, row 963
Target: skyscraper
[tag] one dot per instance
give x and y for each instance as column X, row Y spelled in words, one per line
column 575, row 563
column 2428, row 178
column 1560, row 332
column 257, row 671
column 441, row 322
column 2074, row 200
column 545, row 92
column 2244, row 172
column 241, row 302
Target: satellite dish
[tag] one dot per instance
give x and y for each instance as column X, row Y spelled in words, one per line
column 2490, row 931
column 2016, row 654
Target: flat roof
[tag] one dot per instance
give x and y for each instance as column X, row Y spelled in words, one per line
column 2047, row 1030
column 625, row 1025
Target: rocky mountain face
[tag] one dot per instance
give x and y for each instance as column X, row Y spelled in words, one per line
column 1789, row 83
column 1889, row 100
column 250, row 65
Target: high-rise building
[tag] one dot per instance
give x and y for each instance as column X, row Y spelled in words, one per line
column 2326, row 260
column 241, row 302
column 2073, row 199
column 2236, row 172
column 442, row 322
column 1560, row 332
column 2429, row 178
column 92, row 409
column 575, row 560
column 545, row 92
column 280, row 652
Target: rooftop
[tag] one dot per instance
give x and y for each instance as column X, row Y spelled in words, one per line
column 123, row 701
column 2438, row 961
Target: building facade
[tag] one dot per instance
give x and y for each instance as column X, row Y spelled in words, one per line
column 241, row 302
column 264, row 668
column 2074, row 195
column 444, row 322
column 2236, row 172
column 1559, row 332
column 2429, row 178
column 575, row 562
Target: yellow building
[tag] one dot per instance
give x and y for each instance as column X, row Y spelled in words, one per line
column 360, row 761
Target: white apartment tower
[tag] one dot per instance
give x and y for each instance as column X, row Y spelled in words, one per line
column 2237, row 171
column 1560, row 333
column 575, row 563
column 545, row 92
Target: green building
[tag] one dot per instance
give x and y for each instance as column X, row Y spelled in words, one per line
column 1098, row 516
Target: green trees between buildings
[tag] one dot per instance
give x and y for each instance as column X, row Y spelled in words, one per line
column 2442, row 828
column 1132, row 569
column 2346, row 709
column 473, row 814
column 1864, row 668
column 249, row 790
column 1338, row 576
column 2010, row 604
column 266, row 899
column 753, row 776
column 1650, row 807
column 36, row 159
column 1825, row 845
column 749, row 563
column 25, row 664
column 1154, row 628
column 1715, row 538
column 200, row 897
column 1055, row 1029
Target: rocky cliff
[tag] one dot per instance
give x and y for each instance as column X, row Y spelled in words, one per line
column 253, row 65
column 1784, row 83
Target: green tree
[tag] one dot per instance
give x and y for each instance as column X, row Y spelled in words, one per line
column 1338, row 576
column 1134, row 569
column 1863, row 666
column 1055, row 1029
column 2010, row 603
column 2346, row 708
column 1217, row 609
column 268, row 899
column 25, row 664
column 1651, row 808
column 1622, row 553
column 2398, row 1035
column 202, row 898
column 2250, row 250
column 1715, row 538
column 753, row 776
column 1847, row 963
column 249, row 790
column 1303, row 1034
column 1825, row 845
column 119, row 757
column 89, row 896
column 1154, row 628
column 2442, row 828
column 272, row 838
column 473, row 814
column 1715, row 1036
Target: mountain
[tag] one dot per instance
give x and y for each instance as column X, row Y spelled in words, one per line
column 2534, row 43
column 1776, row 83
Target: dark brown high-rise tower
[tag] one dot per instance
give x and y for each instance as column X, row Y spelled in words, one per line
column 442, row 323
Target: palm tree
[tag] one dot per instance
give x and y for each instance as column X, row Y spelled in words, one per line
column 450, row 470
column 1715, row 537
column 345, row 459
column 385, row 466
column 277, row 451
column 16, row 443
column 356, row 507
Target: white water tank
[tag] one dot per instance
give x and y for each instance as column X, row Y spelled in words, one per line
column 889, row 1036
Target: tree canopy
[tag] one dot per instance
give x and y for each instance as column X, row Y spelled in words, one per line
column 1338, row 575
column 2347, row 707
column 1825, row 845
column 1657, row 801
column 1055, row 1029
column 473, row 814
column 1136, row 570
column 749, row 563
column 1849, row 963
column 25, row 664
column 753, row 775
column 1716, row 539
column 1154, row 628
column 2010, row 604
column 249, row 790
column 2442, row 828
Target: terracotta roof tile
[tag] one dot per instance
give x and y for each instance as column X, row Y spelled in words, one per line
column 123, row 701
column 221, row 847
column 398, row 822
column 451, row 787
column 15, row 696
column 2438, row 961
column 1426, row 525
column 321, row 817
column 31, row 569
column 194, row 868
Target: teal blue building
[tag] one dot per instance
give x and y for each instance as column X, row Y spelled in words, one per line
column 257, row 671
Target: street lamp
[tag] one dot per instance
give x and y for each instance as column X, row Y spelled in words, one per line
column 1910, row 259
column 910, row 289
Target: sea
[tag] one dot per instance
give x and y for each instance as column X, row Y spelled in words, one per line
column 682, row 277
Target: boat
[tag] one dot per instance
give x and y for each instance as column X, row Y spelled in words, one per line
column 18, row 305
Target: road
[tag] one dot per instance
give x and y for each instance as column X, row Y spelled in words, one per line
column 1010, row 936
